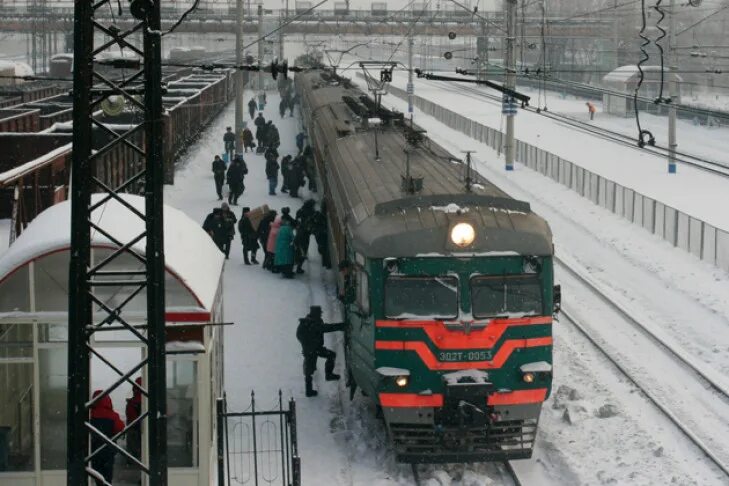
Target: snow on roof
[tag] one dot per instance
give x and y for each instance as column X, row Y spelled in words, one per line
column 624, row 74
column 190, row 254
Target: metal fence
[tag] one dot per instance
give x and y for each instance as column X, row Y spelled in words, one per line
column 693, row 235
column 258, row 447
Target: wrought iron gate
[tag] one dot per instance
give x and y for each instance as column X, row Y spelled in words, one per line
column 258, row 447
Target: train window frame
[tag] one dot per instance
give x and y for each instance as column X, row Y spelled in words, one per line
column 523, row 276
column 362, row 298
column 455, row 278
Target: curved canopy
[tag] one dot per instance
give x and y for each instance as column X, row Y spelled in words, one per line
column 193, row 262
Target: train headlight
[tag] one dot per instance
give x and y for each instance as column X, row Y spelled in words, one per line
column 402, row 381
column 528, row 377
column 463, row 234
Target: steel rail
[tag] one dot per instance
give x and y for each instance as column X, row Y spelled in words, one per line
column 649, row 396
column 679, row 355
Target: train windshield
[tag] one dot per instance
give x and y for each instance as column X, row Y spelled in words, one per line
column 420, row 297
column 506, row 296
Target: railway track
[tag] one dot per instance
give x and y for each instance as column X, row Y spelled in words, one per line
column 707, row 379
column 714, row 167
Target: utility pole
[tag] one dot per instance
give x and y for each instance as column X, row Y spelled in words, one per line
column 510, row 80
column 673, row 92
column 411, row 85
column 260, row 46
column 482, row 49
column 239, row 78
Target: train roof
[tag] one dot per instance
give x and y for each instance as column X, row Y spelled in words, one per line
column 387, row 222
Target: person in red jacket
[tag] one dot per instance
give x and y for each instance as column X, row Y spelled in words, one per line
column 592, row 109
column 133, row 411
column 108, row 422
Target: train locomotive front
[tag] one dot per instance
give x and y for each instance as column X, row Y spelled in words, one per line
column 450, row 298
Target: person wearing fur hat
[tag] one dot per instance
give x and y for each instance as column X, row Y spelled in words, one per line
column 310, row 334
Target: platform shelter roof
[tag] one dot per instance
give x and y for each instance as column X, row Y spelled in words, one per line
column 194, row 264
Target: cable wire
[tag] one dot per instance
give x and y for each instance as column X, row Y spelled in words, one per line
column 657, row 42
column 644, row 136
column 182, row 18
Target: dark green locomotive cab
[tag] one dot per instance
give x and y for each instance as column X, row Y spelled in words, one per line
column 450, row 325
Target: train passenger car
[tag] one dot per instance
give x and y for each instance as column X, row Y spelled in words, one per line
column 450, row 298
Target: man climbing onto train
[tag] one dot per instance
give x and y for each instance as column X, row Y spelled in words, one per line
column 310, row 334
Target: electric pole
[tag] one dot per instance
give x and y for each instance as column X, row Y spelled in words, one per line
column 239, row 78
column 510, row 80
column 673, row 92
column 411, row 85
column 260, row 46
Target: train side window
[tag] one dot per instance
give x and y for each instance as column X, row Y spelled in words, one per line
column 363, row 291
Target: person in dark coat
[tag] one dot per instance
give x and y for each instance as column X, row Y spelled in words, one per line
column 248, row 237
column 286, row 215
column 304, row 226
column 260, row 123
column 308, row 156
column 214, row 225
column 219, row 176
column 247, row 138
column 285, row 170
column 310, row 334
column 301, row 245
column 271, row 153
column 300, row 137
column 320, row 230
column 282, row 107
column 132, row 411
column 264, row 229
column 229, row 143
column 108, row 422
column 252, row 105
column 296, row 176
column 272, row 175
column 229, row 221
column 284, row 255
column 272, row 135
column 292, row 103
column 236, row 174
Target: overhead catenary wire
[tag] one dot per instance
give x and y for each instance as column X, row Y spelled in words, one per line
column 701, row 21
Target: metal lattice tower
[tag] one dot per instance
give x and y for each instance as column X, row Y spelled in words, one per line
column 88, row 314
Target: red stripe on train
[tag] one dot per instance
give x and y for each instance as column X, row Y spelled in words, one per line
column 445, row 338
column 410, row 400
column 432, row 362
column 518, row 397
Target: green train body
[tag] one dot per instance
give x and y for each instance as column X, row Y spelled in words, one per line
column 450, row 298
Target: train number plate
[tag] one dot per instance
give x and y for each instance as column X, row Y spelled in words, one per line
column 449, row 356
